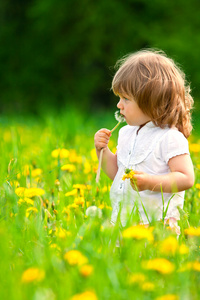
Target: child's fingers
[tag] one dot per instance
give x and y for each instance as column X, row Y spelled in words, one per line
column 140, row 181
column 138, row 172
column 104, row 131
column 101, row 138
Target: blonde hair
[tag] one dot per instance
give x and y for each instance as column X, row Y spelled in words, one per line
column 158, row 86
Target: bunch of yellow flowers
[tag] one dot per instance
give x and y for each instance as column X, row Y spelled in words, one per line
column 128, row 174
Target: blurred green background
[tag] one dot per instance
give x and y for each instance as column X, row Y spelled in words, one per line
column 56, row 54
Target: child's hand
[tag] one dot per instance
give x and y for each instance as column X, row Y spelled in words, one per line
column 140, row 181
column 101, row 138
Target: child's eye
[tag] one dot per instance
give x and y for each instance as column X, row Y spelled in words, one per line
column 124, row 98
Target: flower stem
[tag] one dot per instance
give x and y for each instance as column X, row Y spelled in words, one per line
column 115, row 127
column 99, row 166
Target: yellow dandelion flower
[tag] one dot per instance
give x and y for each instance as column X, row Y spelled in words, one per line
column 79, row 201
column 183, row 249
column 168, row 297
column 71, row 193
column 192, row 265
column 20, row 191
column 192, row 231
column 62, row 233
column 86, row 270
column 26, row 201
column 148, row 286
column 114, row 150
column 104, row 206
column 82, row 186
column 138, row 232
column 72, row 206
column 61, row 153
column 136, row 278
column 129, row 174
column 160, row 265
column 197, row 186
column 75, row 257
column 72, row 155
column 32, row 192
column 29, row 192
column 30, row 211
column 194, row 148
column 169, row 246
column 74, row 158
column 94, row 155
column 101, row 206
column 69, row 167
column 105, row 189
column 87, row 168
column 36, row 172
column 32, row 275
column 196, row 266
column 88, row 295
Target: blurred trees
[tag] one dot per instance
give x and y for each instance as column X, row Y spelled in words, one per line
column 56, row 52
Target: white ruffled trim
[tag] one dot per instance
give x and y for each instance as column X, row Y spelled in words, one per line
column 171, row 155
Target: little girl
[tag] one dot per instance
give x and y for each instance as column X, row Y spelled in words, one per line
column 155, row 101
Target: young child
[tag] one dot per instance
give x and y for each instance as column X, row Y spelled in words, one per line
column 155, row 102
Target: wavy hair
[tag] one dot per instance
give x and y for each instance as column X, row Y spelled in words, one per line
column 158, row 86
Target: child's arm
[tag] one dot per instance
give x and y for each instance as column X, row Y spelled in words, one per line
column 179, row 179
column 109, row 162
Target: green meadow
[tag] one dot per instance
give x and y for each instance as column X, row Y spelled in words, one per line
column 52, row 248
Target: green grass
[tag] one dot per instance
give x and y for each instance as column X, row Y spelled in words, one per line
column 38, row 235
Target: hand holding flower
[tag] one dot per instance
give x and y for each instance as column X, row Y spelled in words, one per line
column 102, row 138
column 138, row 180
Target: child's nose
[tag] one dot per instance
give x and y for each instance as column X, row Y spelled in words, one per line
column 119, row 104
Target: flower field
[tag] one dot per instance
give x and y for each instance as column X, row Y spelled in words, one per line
column 56, row 241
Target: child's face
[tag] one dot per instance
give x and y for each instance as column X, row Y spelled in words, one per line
column 131, row 111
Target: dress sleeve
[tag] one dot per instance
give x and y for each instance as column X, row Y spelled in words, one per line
column 172, row 144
